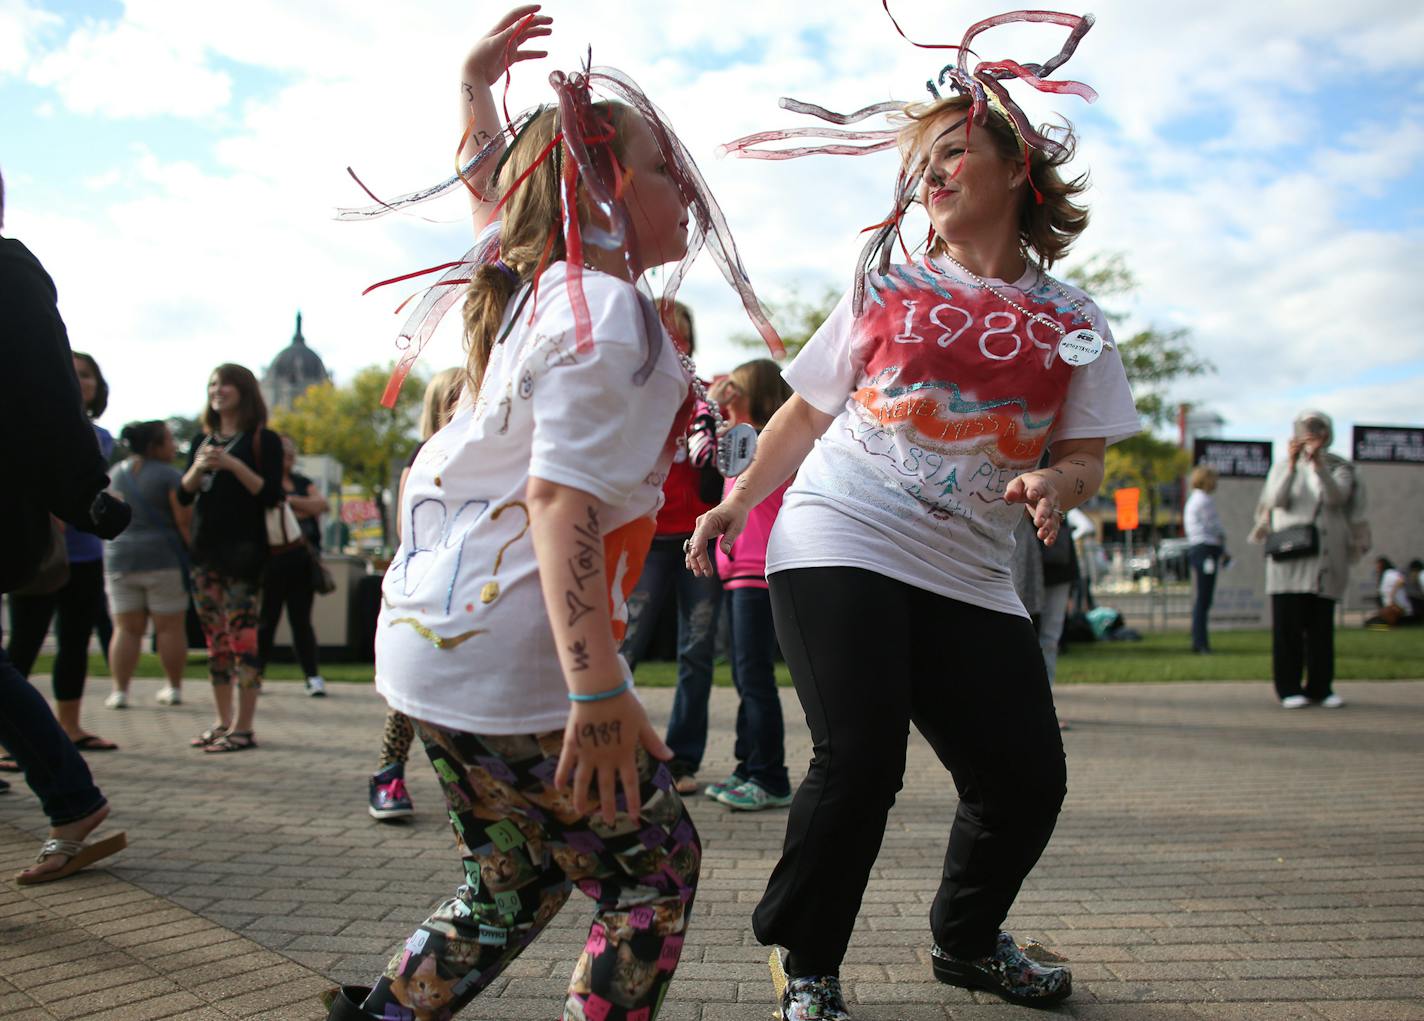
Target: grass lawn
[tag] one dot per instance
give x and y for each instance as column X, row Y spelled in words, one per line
column 1238, row 656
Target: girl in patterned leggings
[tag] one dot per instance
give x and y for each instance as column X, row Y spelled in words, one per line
column 234, row 474
column 524, row 527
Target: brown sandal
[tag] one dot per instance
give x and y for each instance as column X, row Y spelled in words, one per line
column 232, row 741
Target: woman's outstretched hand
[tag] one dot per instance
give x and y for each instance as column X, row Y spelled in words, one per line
column 726, row 520
column 505, row 45
column 1039, row 495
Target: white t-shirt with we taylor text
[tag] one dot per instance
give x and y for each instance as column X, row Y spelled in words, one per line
column 942, row 393
column 463, row 638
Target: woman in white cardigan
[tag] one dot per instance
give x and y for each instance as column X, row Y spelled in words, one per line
column 1310, row 487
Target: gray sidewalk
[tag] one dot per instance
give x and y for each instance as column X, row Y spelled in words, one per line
column 1218, row 858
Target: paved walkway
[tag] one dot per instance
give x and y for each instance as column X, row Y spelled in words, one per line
column 1218, row 859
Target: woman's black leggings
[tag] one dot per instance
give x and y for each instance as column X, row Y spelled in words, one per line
column 288, row 582
column 869, row 656
column 74, row 610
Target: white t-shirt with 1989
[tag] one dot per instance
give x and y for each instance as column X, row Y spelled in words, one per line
column 942, row 393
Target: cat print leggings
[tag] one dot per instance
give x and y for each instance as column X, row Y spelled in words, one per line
column 227, row 608
column 525, row 849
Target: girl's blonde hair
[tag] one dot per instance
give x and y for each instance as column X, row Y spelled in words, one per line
column 529, row 231
column 1046, row 228
column 760, row 381
column 442, row 393
column 1204, row 476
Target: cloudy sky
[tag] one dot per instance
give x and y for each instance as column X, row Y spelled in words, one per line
column 176, row 166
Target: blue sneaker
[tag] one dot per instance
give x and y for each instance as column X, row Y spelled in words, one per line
column 389, row 798
column 1007, row 972
column 715, row 790
column 751, row 796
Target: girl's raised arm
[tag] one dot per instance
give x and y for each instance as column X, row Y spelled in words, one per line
column 501, row 47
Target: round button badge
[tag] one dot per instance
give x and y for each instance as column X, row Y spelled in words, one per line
column 1080, row 347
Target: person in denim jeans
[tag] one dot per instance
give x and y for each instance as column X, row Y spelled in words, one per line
column 751, row 393
column 665, row 575
column 42, row 424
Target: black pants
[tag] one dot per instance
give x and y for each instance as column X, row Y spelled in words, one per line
column 74, row 610
column 288, row 580
column 1302, row 635
column 869, row 656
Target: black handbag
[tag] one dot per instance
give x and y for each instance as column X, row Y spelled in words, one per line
column 1293, row 543
column 52, row 574
column 322, row 581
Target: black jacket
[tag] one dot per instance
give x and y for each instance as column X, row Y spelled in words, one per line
column 49, row 459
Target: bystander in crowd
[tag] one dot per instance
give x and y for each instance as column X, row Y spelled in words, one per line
column 146, row 567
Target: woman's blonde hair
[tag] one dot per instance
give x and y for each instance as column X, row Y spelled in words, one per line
column 442, row 393
column 529, row 231
column 1046, row 228
column 760, row 381
column 678, row 320
column 1204, row 476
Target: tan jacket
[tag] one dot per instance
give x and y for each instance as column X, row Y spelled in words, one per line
column 1323, row 492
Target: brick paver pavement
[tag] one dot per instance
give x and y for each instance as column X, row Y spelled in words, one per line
column 1218, row 858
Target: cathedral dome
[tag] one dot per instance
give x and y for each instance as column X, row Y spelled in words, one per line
column 295, row 368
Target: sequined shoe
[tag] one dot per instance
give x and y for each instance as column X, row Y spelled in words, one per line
column 812, row 998
column 1007, row 972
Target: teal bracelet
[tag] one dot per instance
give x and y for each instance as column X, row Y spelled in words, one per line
column 600, row 696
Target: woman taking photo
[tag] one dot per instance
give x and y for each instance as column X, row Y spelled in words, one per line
column 1315, row 493
column 234, row 475
column 915, row 432
column 77, row 607
column 145, row 567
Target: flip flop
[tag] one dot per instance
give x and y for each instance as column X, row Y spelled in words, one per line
column 95, row 743
column 79, row 853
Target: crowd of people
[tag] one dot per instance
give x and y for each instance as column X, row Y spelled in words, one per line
column 200, row 538
column 857, row 512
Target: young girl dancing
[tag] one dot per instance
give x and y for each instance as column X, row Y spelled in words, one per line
column 922, row 408
column 524, row 525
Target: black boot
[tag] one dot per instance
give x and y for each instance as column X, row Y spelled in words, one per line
column 344, row 1004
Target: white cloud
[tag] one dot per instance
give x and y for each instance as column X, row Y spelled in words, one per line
column 21, row 27
column 132, row 70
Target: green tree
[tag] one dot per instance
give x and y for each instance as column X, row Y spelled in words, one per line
column 796, row 319
column 349, row 424
column 1154, row 359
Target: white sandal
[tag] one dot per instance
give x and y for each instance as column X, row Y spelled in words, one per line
column 79, row 853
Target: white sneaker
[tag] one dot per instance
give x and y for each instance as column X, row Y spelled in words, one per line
column 1294, row 702
column 117, row 700
column 316, row 687
column 1331, row 702
column 169, row 695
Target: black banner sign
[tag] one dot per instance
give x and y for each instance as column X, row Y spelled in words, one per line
column 1234, row 459
column 1389, row 444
